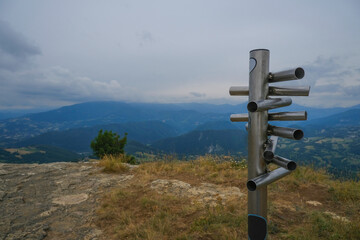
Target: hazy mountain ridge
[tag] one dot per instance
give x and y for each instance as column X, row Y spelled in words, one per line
column 183, row 117
column 186, row 129
column 78, row 139
column 205, row 142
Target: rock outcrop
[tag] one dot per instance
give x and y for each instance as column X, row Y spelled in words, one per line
column 52, row 201
column 206, row 193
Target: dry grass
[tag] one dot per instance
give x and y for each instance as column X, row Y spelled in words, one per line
column 213, row 169
column 137, row 212
column 114, row 164
column 143, row 214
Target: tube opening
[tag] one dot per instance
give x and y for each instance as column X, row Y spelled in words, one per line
column 251, row 185
column 291, row 166
column 298, row 134
column 268, row 155
column 252, row 106
column 299, row 73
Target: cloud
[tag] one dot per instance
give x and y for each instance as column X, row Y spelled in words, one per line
column 334, row 82
column 15, row 49
column 55, row 87
column 197, row 94
column 145, row 37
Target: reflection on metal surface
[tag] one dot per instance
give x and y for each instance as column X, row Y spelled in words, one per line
column 289, row 91
column 252, row 64
column 288, row 116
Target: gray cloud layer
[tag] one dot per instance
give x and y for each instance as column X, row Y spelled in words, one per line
column 15, row 49
column 172, row 51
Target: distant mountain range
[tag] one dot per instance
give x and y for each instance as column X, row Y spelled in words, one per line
column 231, row 141
column 182, row 117
column 184, row 129
column 78, row 139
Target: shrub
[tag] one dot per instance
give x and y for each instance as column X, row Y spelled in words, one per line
column 108, row 143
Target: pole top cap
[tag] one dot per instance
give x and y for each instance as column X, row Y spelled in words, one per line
column 259, row 49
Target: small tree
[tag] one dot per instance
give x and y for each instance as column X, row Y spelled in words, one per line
column 108, row 143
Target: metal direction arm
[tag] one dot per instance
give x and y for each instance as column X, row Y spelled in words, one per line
column 263, row 105
column 284, row 162
column 288, row 116
column 290, row 133
column 292, row 74
column 270, row 148
column 239, row 91
column 266, row 179
column 289, row 91
column 243, row 117
column 280, row 116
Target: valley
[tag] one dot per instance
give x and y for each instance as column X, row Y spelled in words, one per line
column 186, row 130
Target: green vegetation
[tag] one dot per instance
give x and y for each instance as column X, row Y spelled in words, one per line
column 307, row 204
column 108, row 143
column 334, row 149
column 37, row 154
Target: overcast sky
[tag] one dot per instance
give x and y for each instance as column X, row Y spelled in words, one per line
column 55, row 53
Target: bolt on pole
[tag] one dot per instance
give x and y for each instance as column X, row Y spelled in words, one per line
column 261, row 148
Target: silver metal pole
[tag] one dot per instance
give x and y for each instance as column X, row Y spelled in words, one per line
column 257, row 136
column 261, row 150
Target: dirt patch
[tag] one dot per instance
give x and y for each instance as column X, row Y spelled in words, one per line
column 206, row 193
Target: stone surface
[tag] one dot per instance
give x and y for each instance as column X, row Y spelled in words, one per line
column 314, row 203
column 53, row 201
column 206, row 193
column 337, row 217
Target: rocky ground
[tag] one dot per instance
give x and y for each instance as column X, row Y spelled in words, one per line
column 52, row 201
column 63, row 201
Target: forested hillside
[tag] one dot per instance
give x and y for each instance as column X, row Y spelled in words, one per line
column 186, row 130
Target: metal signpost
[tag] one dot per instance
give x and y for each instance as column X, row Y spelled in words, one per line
column 261, row 148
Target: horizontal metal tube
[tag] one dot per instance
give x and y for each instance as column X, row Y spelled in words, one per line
column 259, row 106
column 284, row 162
column 292, row 74
column 239, row 91
column 289, row 91
column 242, row 117
column 288, row 116
column 266, row 179
column 270, row 148
column 291, row 133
